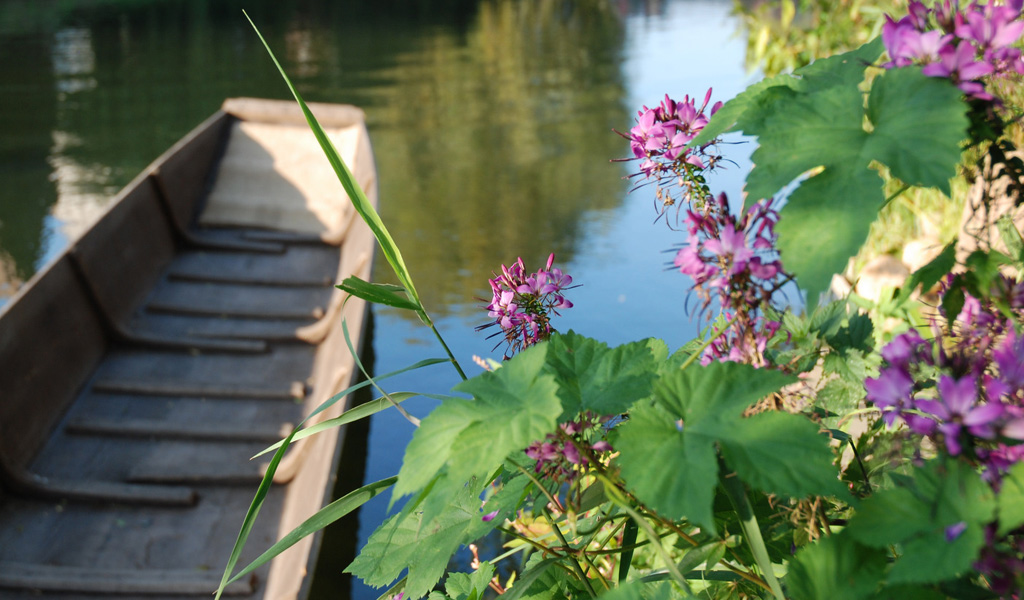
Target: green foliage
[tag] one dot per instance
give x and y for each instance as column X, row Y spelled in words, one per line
column 701, row 409
column 811, row 129
column 917, row 515
column 462, row 439
column 836, row 567
column 603, row 380
column 406, row 541
column 692, row 459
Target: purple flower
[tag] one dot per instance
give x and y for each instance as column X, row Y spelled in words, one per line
column 954, row 531
column 957, row 62
column 489, row 517
column 890, row 391
column 959, row 408
column 903, row 349
column 731, row 245
column 993, row 28
column 1009, row 357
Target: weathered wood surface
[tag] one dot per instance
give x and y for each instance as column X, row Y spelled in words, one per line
column 149, row 362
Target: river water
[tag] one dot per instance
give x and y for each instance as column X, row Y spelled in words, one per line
column 491, row 121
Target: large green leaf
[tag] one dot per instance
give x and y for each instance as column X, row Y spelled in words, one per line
column 667, row 451
column 406, row 541
column 812, row 125
column 783, row 454
column 511, row 408
column 918, row 515
column 1011, row 500
column 594, row 377
column 837, row 568
column 672, row 473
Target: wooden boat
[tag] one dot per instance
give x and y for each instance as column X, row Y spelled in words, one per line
column 189, row 328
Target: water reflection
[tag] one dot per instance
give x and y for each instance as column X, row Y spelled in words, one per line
column 496, row 144
column 491, row 120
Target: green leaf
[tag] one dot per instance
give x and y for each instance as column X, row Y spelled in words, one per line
column 709, row 401
column 511, row 408
column 815, row 237
column 469, row 586
column 781, row 453
column 682, row 484
column 1010, row 502
column 636, row 590
column 930, row 274
column 1011, row 237
column 323, row 517
column 837, row 568
column 917, row 124
column 542, row 581
column 406, row 541
column 594, row 377
column 917, row 515
column 378, row 293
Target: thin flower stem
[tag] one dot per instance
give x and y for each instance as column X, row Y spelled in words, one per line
column 451, row 357
column 906, row 186
column 751, row 530
column 575, row 562
column 709, row 341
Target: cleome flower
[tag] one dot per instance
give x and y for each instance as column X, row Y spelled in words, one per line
column 522, row 305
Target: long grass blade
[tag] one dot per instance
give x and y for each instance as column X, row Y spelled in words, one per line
column 250, row 515
column 354, row 191
column 359, row 363
column 360, row 412
column 324, row 517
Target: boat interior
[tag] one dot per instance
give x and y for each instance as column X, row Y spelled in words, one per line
column 194, row 324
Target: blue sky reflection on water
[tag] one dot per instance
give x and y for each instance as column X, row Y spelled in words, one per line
column 626, row 291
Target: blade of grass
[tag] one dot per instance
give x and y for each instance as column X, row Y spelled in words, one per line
column 355, row 193
column 362, row 205
column 250, row 515
column 359, row 363
column 360, row 412
column 324, row 517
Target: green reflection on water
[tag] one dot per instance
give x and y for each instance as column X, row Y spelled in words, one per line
column 491, row 121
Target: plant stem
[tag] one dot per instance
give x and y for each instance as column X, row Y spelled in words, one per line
column 708, row 342
column 568, row 552
column 437, row 334
column 751, row 530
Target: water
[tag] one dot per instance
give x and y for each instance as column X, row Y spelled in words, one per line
column 491, row 122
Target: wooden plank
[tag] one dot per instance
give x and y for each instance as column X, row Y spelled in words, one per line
column 31, row 485
column 93, row 580
column 249, row 301
column 190, row 389
column 163, row 429
column 302, row 266
column 222, row 327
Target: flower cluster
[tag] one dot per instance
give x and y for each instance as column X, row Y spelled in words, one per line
column 732, row 259
column 558, row 455
column 522, row 305
column 965, row 389
column 659, row 141
column 963, row 45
